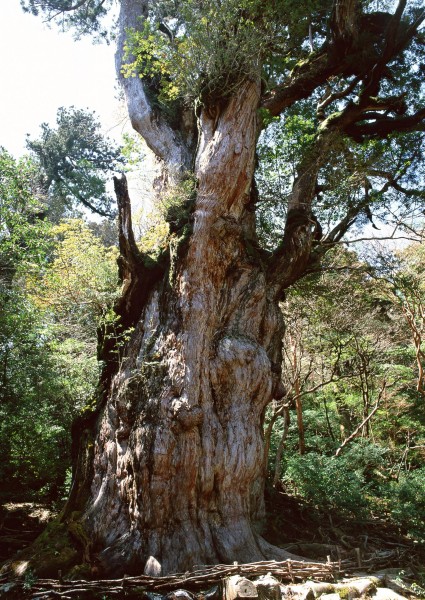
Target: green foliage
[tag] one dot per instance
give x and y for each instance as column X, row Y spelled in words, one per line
column 349, row 485
column 82, row 17
column 170, row 214
column 328, row 482
column 36, row 408
column 177, row 202
column 205, row 50
column 23, row 242
column 281, row 147
column 151, row 60
column 75, row 161
column 56, row 285
column 133, row 150
column 80, row 283
column 354, row 180
column 154, row 231
column 346, row 335
column 407, row 503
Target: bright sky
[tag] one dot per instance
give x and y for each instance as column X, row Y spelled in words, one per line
column 42, row 69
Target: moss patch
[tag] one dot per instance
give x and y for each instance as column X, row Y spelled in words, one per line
column 51, row 552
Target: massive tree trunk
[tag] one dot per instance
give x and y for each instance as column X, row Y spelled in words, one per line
column 170, row 468
column 178, row 466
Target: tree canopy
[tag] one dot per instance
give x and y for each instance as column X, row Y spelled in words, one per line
column 283, row 130
column 74, row 161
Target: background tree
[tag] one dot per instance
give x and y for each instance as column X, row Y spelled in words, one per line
column 357, row 363
column 57, row 285
column 75, row 161
column 402, row 273
column 170, row 470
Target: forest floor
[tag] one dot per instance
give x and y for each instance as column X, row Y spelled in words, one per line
column 20, row 523
column 303, row 529
column 291, row 524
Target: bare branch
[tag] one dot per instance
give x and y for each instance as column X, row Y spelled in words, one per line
column 337, row 96
column 384, row 127
column 301, row 84
column 363, row 423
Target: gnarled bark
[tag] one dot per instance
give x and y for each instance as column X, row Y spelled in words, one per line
column 178, row 462
column 168, row 144
column 170, row 468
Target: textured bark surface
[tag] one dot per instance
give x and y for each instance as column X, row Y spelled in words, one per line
column 166, row 143
column 178, row 455
column 169, row 468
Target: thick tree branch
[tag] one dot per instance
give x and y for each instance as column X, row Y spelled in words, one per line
column 166, row 143
column 138, row 274
column 386, row 126
column 332, row 97
column 294, row 256
column 330, row 60
column 302, row 83
column 340, row 57
column 297, row 253
column 392, row 31
column 291, row 259
column 344, row 21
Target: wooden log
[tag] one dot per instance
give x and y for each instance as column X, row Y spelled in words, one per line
column 268, row 587
column 354, row 588
column 319, row 588
column 239, row 587
column 298, row 592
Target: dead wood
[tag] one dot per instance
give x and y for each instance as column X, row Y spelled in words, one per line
column 289, row 571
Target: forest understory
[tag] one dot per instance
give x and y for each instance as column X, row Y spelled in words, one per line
column 358, row 548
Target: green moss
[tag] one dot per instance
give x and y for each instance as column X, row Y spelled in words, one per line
column 83, row 571
column 328, row 122
column 178, row 246
column 77, row 531
column 304, row 63
column 346, row 592
column 51, row 552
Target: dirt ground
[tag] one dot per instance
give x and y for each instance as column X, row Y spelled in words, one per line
column 291, row 524
column 20, row 524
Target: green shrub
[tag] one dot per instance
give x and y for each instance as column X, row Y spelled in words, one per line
column 327, row 481
column 406, row 499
